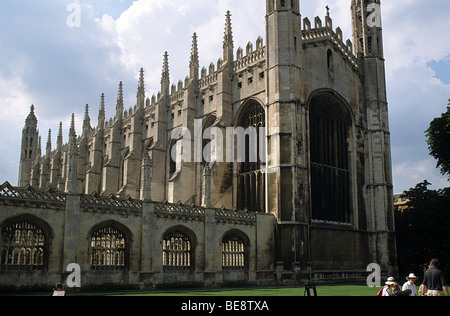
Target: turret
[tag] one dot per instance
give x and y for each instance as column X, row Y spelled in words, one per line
column 284, row 100
column 367, row 36
column 284, row 58
column 367, row 31
column 72, row 164
column 30, row 138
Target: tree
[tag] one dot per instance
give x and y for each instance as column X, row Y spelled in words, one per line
column 438, row 139
column 423, row 229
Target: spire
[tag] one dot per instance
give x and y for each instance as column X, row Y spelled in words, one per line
column 141, row 86
column 165, row 78
column 228, row 45
column 228, row 38
column 72, row 132
column 49, row 143
column 59, row 141
column 71, row 180
column 73, row 149
column 86, row 122
column 141, row 90
column 194, row 63
column 31, row 119
column 119, row 106
column 101, row 113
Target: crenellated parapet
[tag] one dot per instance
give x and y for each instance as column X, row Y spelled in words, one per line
column 325, row 33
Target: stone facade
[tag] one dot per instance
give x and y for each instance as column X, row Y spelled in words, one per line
column 128, row 244
column 326, row 174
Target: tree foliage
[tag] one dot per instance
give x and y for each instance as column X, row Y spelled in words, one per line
column 423, row 229
column 438, row 139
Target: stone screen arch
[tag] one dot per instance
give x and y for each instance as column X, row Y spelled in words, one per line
column 109, row 247
column 24, row 244
column 178, row 250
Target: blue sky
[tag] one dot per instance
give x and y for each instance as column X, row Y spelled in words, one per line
column 61, row 69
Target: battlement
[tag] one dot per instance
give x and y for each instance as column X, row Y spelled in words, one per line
column 252, row 57
column 322, row 33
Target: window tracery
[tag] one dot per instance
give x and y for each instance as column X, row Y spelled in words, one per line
column 234, row 253
column 251, row 194
column 108, row 249
column 330, row 162
column 177, row 251
column 23, row 246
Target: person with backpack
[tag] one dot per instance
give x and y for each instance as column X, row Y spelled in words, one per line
column 385, row 291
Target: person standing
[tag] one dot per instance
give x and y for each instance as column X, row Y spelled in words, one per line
column 434, row 280
column 409, row 285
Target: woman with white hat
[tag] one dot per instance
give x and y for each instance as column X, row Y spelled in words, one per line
column 390, row 282
column 409, row 285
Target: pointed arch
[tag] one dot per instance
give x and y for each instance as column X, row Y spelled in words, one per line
column 235, row 250
column 178, row 247
column 330, row 125
column 109, row 246
column 251, row 121
column 24, row 243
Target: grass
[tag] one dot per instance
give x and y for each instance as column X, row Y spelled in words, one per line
column 326, row 290
column 343, row 290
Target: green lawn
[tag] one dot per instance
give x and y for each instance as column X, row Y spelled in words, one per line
column 343, row 290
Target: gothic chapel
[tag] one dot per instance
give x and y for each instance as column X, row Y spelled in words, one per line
column 116, row 202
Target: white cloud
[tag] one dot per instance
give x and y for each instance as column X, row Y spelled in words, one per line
column 413, row 36
column 408, row 173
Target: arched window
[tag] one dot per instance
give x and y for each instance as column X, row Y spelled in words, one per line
column 109, row 248
column 330, row 60
column 330, row 124
column 234, row 253
column 177, row 251
column 251, row 188
column 24, row 245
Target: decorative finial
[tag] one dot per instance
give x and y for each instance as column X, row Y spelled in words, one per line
column 194, row 52
column 72, row 133
column 141, row 86
column 119, row 105
column 228, row 38
column 165, row 72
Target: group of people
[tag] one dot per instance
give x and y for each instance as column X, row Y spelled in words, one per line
column 434, row 284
